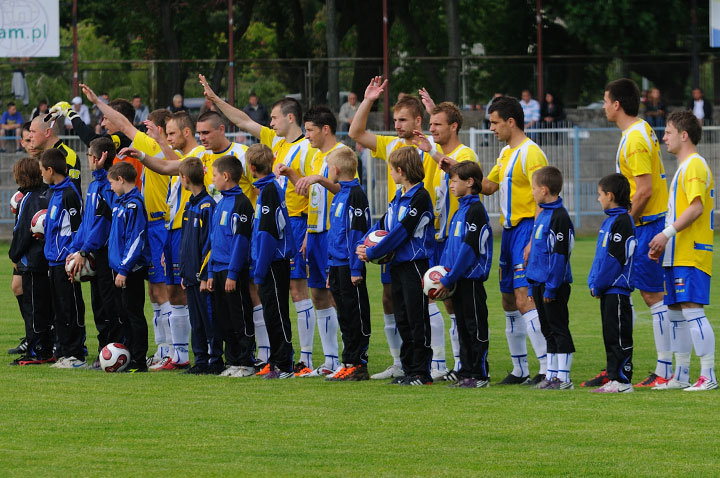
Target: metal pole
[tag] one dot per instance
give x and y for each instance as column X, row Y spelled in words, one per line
column 75, row 50
column 539, row 51
column 386, row 71
column 231, row 62
column 576, row 175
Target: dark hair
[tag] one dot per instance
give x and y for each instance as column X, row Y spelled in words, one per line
column 42, row 102
column 619, row 186
column 137, row 96
column 408, row 160
column 53, row 158
column 193, row 168
column 159, row 117
column 550, row 177
column 231, row 165
column 261, row 157
column 27, row 173
column 100, row 145
column 289, row 106
column 182, row 120
column 124, row 107
column 26, row 126
column 411, row 103
column 123, row 169
column 625, row 92
column 688, row 122
column 452, row 112
column 321, row 116
column 213, row 117
column 10, row 103
column 468, row 170
column 508, row 107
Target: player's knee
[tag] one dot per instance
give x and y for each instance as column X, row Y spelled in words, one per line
column 16, row 285
column 298, row 290
column 321, row 298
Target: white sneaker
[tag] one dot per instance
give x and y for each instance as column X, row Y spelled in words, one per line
column 703, row 383
column 393, row 371
column 438, row 373
column 321, row 371
column 243, row 371
column 671, row 384
column 59, row 362
column 613, row 386
column 230, row 371
column 156, row 366
column 72, row 362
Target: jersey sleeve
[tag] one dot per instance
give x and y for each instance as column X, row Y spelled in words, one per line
column 561, row 238
column 382, row 143
column 146, row 144
column 695, row 181
column 534, row 161
column 358, row 212
column 267, row 136
column 241, row 224
column 135, row 232
column 638, row 155
column 467, row 154
column 494, row 174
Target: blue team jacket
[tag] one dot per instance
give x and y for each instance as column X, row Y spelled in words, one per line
column 128, row 246
column 272, row 236
column 230, row 233
column 409, row 222
column 614, row 254
column 349, row 221
column 26, row 251
column 64, row 214
column 195, row 238
column 469, row 245
column 552, row 242
column 95, row 227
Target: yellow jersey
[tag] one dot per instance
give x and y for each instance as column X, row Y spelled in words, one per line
column 154, row 186
column 320, row 198
column 693, row 246
column 178, row 196
column 513, row 172
column 639, row 154
column 235, row 149
column 386, row 145
column 446, row 204
column 296, row 155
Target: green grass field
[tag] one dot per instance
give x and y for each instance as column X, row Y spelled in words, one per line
column 81, row 422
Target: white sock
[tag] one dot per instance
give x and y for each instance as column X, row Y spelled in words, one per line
column 703, row 339
column 707, row 367
column 552, row 366
column 306, row 329
column 564, row 363
column 165, row 313
column 454, row 342
column 393, row 338
column 328, row 328
column 516, row 331
column 680, row 340
column 437, row 337
column 537, row 339
column 662, row 332
column 682, row 366
column 180, row 333
column 261, row 335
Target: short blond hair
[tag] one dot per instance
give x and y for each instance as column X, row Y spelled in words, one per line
column 408, row 160
column 345, row 160
column 261, row 157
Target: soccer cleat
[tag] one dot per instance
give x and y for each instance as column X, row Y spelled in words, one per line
column 613, row 386
column 321, row 371
column 259, row 365
column 597, row 381
column 244, row 371
column 338, row 374
column 671, row 384
column 651, row 381
column 21, row 348
column 357, row 373
column 416, row 380
column 34, row 360
column 535, row 380
column 393, row 371
column 545, row 383
column 278, row 374
column 58, row 362
column 301, row 369
column 159, row 366
column 175, row 366
column 451, row 376
column 153, row 360
column 474, row 383
column 438, row 374
column 264, row 371
column 228, row 372
column 73, row 363
column 198, row 369
column 137, row 369
column 397, row 380
column 557, row 384
column 514, row 380
column 215, row 368
column 703, row 383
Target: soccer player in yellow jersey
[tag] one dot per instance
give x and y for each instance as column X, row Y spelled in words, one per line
column 687, row 243
column 638, row 159
column 407, row 117
column 293, row 150
column 512, row 176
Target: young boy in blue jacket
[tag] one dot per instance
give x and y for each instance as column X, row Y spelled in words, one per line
column 610, row 281
column 409, row 221
column 26, row 253
column 92, row 238
column 228, row 275
column 548, row 270
column 349, row 221
column 468, row 255
column 194, row 257
column 272, row 247
column 62, row 221
column 129, row 257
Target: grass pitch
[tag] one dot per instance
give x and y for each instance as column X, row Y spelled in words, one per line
column 81, row 422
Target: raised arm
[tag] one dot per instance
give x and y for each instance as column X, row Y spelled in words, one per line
column 358, row 130
column 117, row 118
column 168, row 167
column 238, row 117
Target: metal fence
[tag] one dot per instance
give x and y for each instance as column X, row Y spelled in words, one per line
column 584, row 155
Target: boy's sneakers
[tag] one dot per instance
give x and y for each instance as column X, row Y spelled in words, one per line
column 597, row 381
column 278, row 374
column 651, row 381
column 137, row 368
column 416, row 380
column 263, row 371
column 71, row 362
column 613, row 386
column 515, row 380
column 160, row 365
column 170, row 365
column 393, row 371
column 397, row 380
column 198, row 369
column 536, row 380
column 451, row 377
column 321, row 371
column 703, row 383
column 21, row 347
column 215, row 368
column 301, row 369
column 544, row 383
column 671, row 384
column 350, row 373
column 473, row 383
column 438, row 374
column 243, row 371
column 228, row 372
column 557, row 384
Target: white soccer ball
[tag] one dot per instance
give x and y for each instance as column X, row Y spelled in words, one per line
column 37, row 224
column 15, row 200
column 87, row 271
column 114, row 358
column 373, row 239
column 432, row 275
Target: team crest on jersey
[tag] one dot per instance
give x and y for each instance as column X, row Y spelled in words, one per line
column 243, row 218
column 223, row 218
column 53, row 211
column 617, row 237
column 338, row 209
column 472, row 227
column 559, row 236
column 358, row 212
column 539, row 231
column 266, row 209
column 203, row 206
column 412, row 212
column 458, row 229
column 72, row 211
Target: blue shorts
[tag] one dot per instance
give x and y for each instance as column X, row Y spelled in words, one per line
column 512, row 262
column 298, row 268
column 317, row 259
column 172, row 259
column 686, row 284
column 156, row 234
column 385, row 274
column 648, row 275
column 434, row 258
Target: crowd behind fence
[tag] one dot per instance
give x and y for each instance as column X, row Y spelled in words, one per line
column 584, row 155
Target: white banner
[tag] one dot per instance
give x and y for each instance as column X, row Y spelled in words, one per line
column 29, row 28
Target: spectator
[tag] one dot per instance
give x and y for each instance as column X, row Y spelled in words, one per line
column 177, row 104
column 701, row 108
column 552, row 114
column 97, row 115
column 655, row 109
column 531, row 109
column 11, row 121
column 347, row 112
column 81, row 110
column 141, row 113
column 256, row 110
column 486, row 120
column 41, row 109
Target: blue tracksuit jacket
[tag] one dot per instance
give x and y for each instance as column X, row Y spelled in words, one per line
column 64, row 214
column 128, row 246
column 230, row 233
column 95, row 227
column 349, row 221
column 611, row 271
column 195, row 238
column 26, row 251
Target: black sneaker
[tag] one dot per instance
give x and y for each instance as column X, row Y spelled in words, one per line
column 358, row 373
column 450, row 377
column 215, row 368
column 198, row 369
column 535, row 380
column 398, row 380
column 138, row 367
column 598, row 380
column 259, row 365
column 21, row 348
column 417, row 380
column 514, row 380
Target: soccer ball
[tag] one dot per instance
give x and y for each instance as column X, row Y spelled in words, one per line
column 435, row 274
column 37, row 224
column 114, row 358
column 373, row 239
column 15, row 201
column 86, row 272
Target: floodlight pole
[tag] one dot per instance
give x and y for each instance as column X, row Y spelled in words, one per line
column 231, row 58
column 75, row 50
column 538, row 17
column 386, row 73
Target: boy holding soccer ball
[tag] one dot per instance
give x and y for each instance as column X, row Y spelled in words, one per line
column 409, row 221
column 468, row 255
